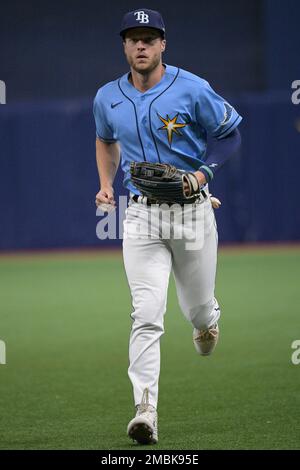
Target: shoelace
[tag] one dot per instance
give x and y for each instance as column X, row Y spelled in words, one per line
column 207, row 335
column 145, row 407
column 145, row 401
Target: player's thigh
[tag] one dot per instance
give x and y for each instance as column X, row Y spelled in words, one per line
column 147, row 258
column 195, row 269
column 147, row 265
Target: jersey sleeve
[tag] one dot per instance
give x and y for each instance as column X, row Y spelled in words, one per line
column 214, row 113
column 104, row 130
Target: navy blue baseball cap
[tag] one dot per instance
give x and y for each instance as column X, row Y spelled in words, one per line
column 142, row 18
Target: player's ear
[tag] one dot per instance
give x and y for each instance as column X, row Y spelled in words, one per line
column 163, row 45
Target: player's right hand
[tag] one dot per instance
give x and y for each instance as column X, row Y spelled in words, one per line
column 105, row 196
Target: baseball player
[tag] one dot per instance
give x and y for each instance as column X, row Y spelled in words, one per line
column 158, row 113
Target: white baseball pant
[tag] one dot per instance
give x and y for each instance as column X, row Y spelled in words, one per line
column 153, row 245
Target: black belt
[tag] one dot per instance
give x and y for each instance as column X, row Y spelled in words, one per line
column 149, row 202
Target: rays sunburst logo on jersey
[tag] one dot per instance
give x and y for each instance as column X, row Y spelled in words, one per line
column 171, row 125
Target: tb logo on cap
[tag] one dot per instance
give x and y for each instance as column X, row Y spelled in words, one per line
column 142, row 17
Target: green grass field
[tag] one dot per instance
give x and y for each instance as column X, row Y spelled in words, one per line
column 65, row 321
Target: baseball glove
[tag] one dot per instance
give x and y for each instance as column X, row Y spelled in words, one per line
column 162, row 182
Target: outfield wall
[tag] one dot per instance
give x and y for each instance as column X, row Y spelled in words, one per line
column 48, row 176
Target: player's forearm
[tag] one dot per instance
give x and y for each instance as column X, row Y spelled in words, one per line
column 108, row 159
column 219, row 151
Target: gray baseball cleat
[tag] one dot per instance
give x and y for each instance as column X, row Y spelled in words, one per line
column 205, row 341
column 143, row 428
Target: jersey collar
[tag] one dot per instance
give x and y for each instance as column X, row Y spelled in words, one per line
column 129, row 90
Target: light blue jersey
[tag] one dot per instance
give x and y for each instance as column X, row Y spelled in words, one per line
column 168, row 123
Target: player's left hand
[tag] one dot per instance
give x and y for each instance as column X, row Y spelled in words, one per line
column 201, row 180
column 216, row 203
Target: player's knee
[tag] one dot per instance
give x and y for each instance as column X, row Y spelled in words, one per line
column 147, row 328
column 148, row 310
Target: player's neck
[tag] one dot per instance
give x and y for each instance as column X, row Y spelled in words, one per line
column 144, row 82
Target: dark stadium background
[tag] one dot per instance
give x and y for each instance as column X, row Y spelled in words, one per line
column 55, row 55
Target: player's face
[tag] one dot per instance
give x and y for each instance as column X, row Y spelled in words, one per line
column 143, row 48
